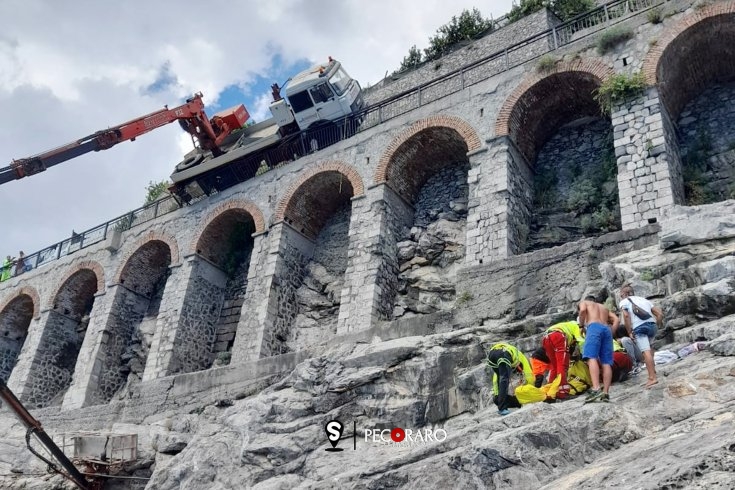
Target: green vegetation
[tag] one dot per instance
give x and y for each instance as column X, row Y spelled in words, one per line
column 546, row 63
column 612, row 37
column 463, row 298
column 469, row 25
column 593, row 194
column 619, row 88
column 695, row 165
column 564, row 9
column 155, row 190
column 647, row 275
column 655, row 16
column 411, row 60
column 223, row 358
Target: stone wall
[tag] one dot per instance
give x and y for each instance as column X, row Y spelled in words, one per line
column 319, row 295
column 575, row 185
column 197, row 330
column 293, row 255
column 55, row 361
column 226, row 327
column 433, row 247
column 492, row 43
column 706, row 131
column 14, row 322
column 647, row 158
column 125, row 349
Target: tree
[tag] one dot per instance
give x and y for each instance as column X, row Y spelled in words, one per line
column 564, row 9
column 465, row 27
column 155, row 190
column 412, row 60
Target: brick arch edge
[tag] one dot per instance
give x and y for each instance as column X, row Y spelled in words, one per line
column 465, row 130
column 650, row 63
column 358, row 188
column 587, row 65
column 95, row 267
column 28, row 291
column 250, row 207
column 149, row 237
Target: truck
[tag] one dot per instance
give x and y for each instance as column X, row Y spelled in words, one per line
column 321, row 107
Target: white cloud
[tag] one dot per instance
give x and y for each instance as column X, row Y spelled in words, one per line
column 68, row 69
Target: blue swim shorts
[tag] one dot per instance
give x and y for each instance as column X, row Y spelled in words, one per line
column 598, row 344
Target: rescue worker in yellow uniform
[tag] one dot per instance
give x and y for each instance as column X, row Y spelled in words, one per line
column 559, row 342
column 503, row 359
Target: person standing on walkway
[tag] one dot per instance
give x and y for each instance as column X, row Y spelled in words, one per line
column 641, row 319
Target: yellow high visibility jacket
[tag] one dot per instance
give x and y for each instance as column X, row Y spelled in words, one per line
column 570, row 330
column 517, row 359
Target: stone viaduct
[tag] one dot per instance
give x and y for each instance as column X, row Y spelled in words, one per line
column 314, row 251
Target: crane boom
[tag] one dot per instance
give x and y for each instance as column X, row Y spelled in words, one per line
column 194, row 120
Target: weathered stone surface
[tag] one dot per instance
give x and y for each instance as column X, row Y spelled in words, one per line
column 712, row 221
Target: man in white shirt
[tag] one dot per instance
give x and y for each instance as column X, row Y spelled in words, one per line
column 642, row 330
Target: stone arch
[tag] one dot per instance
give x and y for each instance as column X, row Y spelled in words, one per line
column 16, row 314
column 91, row 265
column 679, row 65
column 528, row 117
column 170, row 241
column 236, row 204
column 309, row 201
column 398, row 166
column 693, row 68
column 55, row 361
column 131, row 323
column 28, row 291
column 213, row 303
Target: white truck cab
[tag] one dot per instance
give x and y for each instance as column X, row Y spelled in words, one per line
column 323, row 93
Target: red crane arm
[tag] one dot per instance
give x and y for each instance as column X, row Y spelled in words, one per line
column 191, row 114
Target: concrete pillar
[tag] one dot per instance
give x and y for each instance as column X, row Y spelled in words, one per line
column 371, row 276
column 276, row 272
column 501, row 193
column 649, row 165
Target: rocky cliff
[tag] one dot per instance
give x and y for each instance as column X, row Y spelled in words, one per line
column 427, row 373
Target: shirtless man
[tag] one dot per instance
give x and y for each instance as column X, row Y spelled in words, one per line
column 598, row 346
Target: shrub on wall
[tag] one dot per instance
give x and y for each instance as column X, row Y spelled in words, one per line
column 619, row 88
column 612, row 37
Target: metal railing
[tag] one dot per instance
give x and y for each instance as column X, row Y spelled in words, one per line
column 84, row 239
column 313, row 140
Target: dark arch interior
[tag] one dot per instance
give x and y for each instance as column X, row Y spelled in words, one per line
column 227, row 239
column 551, row 103
column 702, row 55
column 422, row 156
column 316, row 200
column 14, row 321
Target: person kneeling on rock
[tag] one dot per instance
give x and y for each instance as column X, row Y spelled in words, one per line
column 559, row 342
column 503, row 359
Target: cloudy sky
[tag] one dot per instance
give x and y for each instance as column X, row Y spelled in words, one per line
column 68, row 69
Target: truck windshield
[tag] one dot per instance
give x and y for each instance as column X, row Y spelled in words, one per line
column 340, row 81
